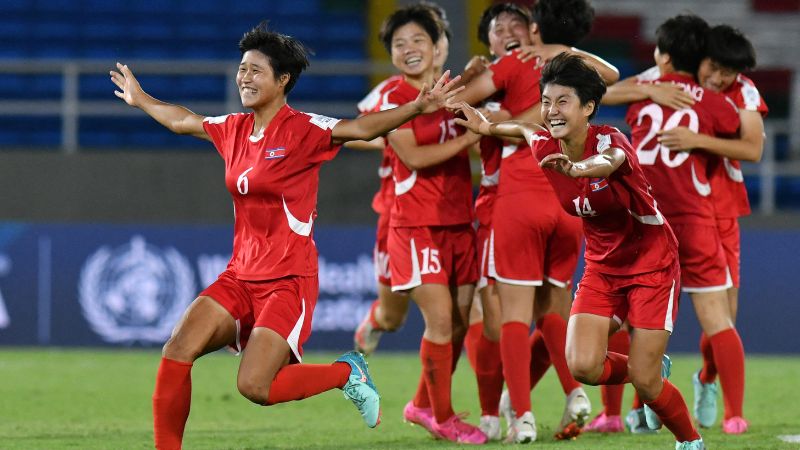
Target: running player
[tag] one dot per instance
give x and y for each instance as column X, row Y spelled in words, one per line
column 265, row 299
column 631, row 253
column 389, row 311
column 431, row 241
column 529, row 247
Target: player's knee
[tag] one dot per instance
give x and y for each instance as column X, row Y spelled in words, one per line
column 253, row 391
column 392, row 321
column 646, row 382
column 180, row 350
column 584, row 369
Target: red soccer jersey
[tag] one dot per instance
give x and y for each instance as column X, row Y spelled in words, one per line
column 727, row 181
column 680, row 179
column 437, row 195
column 383, row 199
column 519, row 82
column 491, row 149
column 625, row 232
column 274, row 181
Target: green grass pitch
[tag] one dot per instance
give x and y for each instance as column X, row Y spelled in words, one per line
column 100, row 399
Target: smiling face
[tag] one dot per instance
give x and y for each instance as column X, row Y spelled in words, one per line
column 412, row 50
column 715, row 76
column 256, row 80
column 563, row 114
column 507, row 31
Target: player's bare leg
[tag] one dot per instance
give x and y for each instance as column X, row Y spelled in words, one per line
column 516, row 311
column 551, row 308
column 387, row 313
column 733, row 303
column 266, row 377
column 714, row 314
column 205, row 327
column 489, row 367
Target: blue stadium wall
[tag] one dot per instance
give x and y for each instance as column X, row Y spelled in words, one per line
column 126, row 285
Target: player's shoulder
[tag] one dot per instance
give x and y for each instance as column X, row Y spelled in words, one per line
column 301, row 119
column 231, row 118
column 608, row 136
column 372, row 101
column 542, row 144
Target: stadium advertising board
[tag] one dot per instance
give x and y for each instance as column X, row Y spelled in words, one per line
column 125, row 285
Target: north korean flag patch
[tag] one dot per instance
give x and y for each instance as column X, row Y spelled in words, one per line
column 598, row 184
column 275, row 153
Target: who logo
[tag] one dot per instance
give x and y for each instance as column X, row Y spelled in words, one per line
column 135, row 292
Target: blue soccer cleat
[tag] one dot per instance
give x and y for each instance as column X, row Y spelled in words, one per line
column 636, row 423
column 705, row 401
column 653, row 422
column 696, row 444
column 360, row 390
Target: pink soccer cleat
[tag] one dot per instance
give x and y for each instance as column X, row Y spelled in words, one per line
column 735, row 425
column 454, row 429
column 420, row 416
column 605, row 424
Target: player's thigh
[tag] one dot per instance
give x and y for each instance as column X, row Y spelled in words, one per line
column 267, row 351
column 644, row 361
column 492, row 318
column 463, row 296
column 713, row 311
column 393, row 307
column 206, row 326
column 587, row 342
column 516, row 302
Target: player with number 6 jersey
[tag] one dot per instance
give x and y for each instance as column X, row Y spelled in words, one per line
column 631, row 253
column 265, row 299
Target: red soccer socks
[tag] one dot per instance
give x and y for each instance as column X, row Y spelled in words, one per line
column 171, row 400
column 729, row 360
column 489, row 372
column 299, row 381
column 672, row 411
column 437, row 364
column 554, row 330
column 516, row 357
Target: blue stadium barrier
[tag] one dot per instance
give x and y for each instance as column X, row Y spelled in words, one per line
column 126, row 285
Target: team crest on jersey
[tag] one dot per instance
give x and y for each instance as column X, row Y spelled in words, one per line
column 598, row 184
column 135, row 292
column 275, row 153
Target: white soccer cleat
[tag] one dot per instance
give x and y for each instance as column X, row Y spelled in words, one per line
column 576, row 413
column 367, row 338
column 523, row 429
column 507, row 410
column 490, row 425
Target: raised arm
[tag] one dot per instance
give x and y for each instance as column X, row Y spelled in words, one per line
column 748, row 147
column 597, row 166
column 479, row 88
column 370, row 126
column 476, row 122
column 417, row 157
column 546, row 52
column 175, row 117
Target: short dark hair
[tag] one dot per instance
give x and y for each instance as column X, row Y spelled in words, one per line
column 564, row 22
column 495, row 10
column 730, row 48
column 439, row 14
column 286, row 54
column 572, row 71
column 422, row 16
column 683, row 38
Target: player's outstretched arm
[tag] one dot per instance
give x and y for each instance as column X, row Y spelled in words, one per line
column 748, row 147
column 175, row 117
column 417, row 157
column 477, row 123
column 597, row 166
column 370, row 126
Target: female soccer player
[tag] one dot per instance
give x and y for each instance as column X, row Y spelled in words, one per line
column 431, row 241
column 265, row 299
column 631, row 253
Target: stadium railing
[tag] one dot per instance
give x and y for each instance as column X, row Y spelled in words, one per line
column 71, row 107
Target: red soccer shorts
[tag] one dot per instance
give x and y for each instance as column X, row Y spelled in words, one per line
column 432, row 255
column 285, row 306
column 731, row 243
column 647, row 300
column 381, row 252
column 533, row 240
column 483, row 235
column 703, row 264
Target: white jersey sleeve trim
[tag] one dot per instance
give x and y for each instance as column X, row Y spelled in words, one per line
column 216, row 119
column 750, row 96
column 324, row 122
column 603, row 142
column 301, row 228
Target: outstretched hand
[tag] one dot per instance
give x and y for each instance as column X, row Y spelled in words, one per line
column 545, row 52
column 473, row 120
column 429, row 100
column 558, row 162
column 130, row 90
